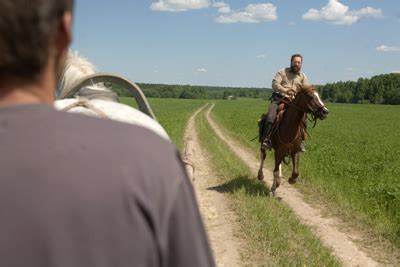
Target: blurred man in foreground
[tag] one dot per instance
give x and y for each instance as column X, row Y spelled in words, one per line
column 75, row 190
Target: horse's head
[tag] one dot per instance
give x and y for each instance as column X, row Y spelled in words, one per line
column 308, row 100
column 77, row 68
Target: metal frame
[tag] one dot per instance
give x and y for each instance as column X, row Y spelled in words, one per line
column 114, row 79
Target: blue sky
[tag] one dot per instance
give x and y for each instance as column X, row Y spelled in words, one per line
column 238, row 42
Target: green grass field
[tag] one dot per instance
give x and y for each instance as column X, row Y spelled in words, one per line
column 172, row 114
column 352, row 159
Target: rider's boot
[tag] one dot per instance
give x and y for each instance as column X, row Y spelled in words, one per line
column 267, row 144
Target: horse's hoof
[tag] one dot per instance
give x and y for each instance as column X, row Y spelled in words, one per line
column 292, row 180
column 272, row 191
column 260, row 176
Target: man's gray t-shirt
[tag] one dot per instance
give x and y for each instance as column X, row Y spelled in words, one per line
column 80, row 191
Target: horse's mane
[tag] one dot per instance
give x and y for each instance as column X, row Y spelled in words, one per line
column 305, row 88
column 76, row 68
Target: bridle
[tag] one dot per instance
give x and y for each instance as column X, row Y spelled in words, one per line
column 307, row 108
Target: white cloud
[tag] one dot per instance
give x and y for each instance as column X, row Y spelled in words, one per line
column 179, row 5
column 368, row 12
column 222, row 7
column 337, row 13
column 219, row 4
column 201, row 70
column 384, row 48
column 253, row 13
column 396, row 71
column 262, row 56
column 358, row 72
column 292, row 23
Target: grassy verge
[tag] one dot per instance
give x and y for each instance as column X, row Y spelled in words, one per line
column 273, row 234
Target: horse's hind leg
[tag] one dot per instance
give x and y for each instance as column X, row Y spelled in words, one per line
column 295, row 171
column 263, row 155
column 277, row 173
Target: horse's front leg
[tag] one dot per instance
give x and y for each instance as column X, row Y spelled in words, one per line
column 295, row 171
column 277, row 172
column 263, row 155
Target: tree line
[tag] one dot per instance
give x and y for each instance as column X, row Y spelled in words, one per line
column 381, row 89
column 197, row 92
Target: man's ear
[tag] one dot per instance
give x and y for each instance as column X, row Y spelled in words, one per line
column 61, row 43
column 64, row 33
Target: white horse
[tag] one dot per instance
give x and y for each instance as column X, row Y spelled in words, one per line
column 96, row 99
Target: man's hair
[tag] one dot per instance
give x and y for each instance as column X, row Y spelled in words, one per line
column 296, row 55
column 26, row 30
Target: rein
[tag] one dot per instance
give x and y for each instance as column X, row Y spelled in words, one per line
column 83, row 102
column 313, row 118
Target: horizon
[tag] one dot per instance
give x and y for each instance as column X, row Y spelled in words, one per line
column 238, row 43
column 268, row 88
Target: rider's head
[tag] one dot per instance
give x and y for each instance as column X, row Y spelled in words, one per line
column 34, row 39
column 295, row 62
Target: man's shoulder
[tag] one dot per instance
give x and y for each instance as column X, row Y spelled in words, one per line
column 118, row 131
column 128, row 146
column 283, row 71
column 86, row 128
column 63, row 129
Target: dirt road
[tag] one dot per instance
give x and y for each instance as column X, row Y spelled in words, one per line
column 214, row 206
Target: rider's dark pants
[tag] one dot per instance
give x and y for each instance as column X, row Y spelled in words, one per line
column 272, row 110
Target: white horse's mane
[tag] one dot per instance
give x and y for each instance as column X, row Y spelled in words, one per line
column 76, row 67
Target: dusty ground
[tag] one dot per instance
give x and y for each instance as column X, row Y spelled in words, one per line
column 214, row 206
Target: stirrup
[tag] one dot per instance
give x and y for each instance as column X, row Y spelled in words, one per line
column 267, row 145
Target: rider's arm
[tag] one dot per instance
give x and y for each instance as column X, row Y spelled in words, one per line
column 277, row 84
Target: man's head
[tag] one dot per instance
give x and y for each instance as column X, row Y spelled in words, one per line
column 295, row 63
column 34, row 35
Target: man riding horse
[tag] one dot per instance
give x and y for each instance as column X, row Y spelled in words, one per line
column 285, row 85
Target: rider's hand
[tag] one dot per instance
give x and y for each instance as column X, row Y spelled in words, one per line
column 291, row 93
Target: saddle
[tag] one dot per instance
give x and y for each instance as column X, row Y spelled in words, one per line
column 262, row 121
column 282, row 106
column 279, row 115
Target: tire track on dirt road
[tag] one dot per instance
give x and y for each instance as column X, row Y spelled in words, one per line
column 219, row 219
column 325, row 228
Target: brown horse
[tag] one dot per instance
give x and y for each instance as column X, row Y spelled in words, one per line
column 288, row 132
